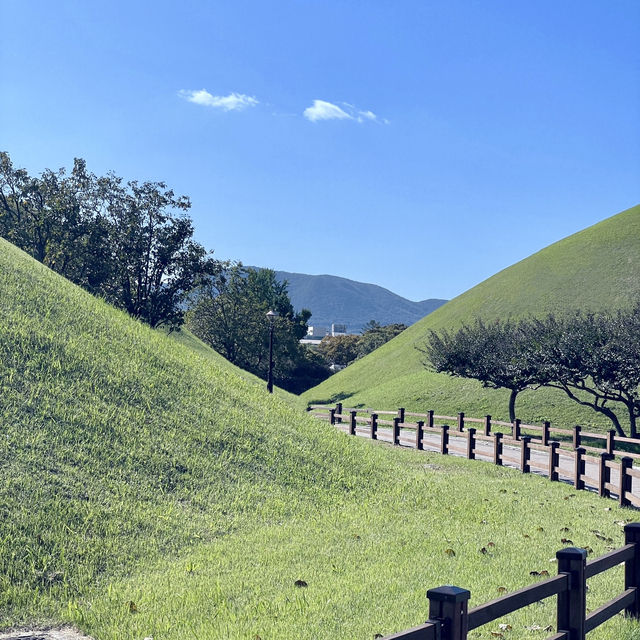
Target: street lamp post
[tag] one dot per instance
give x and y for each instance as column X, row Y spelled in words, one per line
column 272, row 315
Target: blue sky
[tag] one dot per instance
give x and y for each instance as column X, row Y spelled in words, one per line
column 421, row 146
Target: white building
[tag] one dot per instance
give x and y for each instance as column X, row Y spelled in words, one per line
column 317, row 333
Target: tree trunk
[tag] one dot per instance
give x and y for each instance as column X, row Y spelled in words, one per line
column 632, row 421
column 596, row 407
column 512, row 404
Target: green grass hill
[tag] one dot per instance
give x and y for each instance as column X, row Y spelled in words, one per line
column 149, row 489
column 595, row 269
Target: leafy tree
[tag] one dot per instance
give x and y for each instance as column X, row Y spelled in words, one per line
column 129, row 243
column 375, row 335
column 501, row 355
column 57, row 220
column 340, row 350
column 229, row 314
column 595, row 360
column 157, row 263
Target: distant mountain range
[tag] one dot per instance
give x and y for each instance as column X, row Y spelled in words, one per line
column 332, row 299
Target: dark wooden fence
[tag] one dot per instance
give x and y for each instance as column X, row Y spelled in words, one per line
column 563, row 458
column 449, row 616
column 450, row 619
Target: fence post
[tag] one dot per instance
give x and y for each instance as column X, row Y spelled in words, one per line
column 515, row 430
column 487, row 425
column 525, row 454
column 339, row 412
column 444, row 439
column 497, row 448
column 332, row 416
column 419, row 435
column 374, row 426
column 546, row 425
column 352, row 423
column 572, row 604
column 625, row 481
column 578, row 468
column 632, row 567
column 461, row 421
column 604, row 475
column 576, row 436
column 554, row 460
column 401, row 414
column 471, row 443
column 449, row 606
column 395, row 434
column 430, row 418
column 611, row 435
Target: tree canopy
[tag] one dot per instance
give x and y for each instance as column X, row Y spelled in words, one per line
column 229, row 314
column 593, row 358
column 343, row 350
column 129, row 242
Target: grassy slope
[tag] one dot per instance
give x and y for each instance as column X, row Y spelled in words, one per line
column 192, row 342
column 598, row 268
column 148, row 490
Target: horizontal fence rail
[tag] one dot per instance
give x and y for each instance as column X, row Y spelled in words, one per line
column 450, row 618
column 524, row 446
column 527, row 447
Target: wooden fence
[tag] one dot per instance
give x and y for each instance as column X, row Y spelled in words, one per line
column 450, row 619
column 562, row 458
column 449, row 616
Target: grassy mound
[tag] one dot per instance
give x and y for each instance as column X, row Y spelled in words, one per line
column 595, row 269
column 148, row 489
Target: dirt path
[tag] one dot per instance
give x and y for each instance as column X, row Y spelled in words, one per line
column 59, row 633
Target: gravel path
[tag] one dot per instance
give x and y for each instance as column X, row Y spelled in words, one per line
column 59, row 633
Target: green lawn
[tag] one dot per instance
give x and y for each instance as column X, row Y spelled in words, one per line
column 595, row 269
column 147, row 488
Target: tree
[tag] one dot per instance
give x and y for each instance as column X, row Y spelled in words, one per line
column 130, row 243
column 157, row 263
column 56, row 219
column 595, row 360
column 501, row 355
column 340, row 350
column 375, row 335
column 229, row 314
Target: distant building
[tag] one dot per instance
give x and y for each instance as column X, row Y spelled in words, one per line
column 317, row 333
column 338, row 329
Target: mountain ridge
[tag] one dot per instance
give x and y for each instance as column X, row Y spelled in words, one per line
column 335, row 299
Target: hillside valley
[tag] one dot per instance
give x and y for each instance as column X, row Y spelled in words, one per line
column 595, row 269
column 150, row 489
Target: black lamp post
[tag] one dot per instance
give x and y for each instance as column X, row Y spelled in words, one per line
column 272, row 315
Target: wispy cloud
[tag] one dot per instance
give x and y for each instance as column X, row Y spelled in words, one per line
column 233, row 102
column 322, row 110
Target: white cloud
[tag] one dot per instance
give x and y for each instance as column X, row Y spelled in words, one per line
column 368, row 115
column 321, row 110
column 233, row 102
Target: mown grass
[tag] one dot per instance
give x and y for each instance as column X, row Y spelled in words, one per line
column 147, row 489
column 595, row 269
